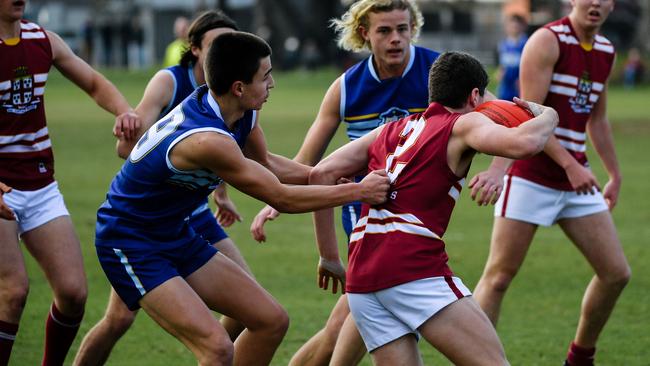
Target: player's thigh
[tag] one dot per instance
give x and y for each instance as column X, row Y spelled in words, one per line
column 227, row 289
column 596, row 237
column 118, row 312
column 509, row 244
column 464, row 334
column 56, row 248
column 13, row 275
column 337, row 317
column 402, row 351
column 191, row 325
column 230, row 250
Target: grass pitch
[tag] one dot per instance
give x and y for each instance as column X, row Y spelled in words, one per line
column 539, row 314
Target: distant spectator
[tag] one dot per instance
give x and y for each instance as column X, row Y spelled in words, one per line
column 242, row 12
column 509, row 50
column 175, row 49
column 87, row 40
column 135, row 44
column 634, row 68
column 106, row 35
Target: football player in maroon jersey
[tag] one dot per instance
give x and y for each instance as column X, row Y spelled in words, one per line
column 565, row 65
column 398, row 283
column 39, row 216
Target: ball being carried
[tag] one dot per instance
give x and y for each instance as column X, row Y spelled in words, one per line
column 504, row 112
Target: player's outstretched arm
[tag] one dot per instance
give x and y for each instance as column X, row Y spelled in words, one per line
column 156, row 97
column 221, row 154
column 5, row 211
column 348, row 160
column 313, row 147
column 286, row 170
column 94, row 84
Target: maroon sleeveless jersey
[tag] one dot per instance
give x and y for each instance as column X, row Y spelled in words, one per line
column 26, row 161
column 400, row 240
column 579, row 76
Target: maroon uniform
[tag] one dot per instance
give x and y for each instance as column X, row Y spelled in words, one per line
column 400, row 240
column 579, row 76
column 26, row 161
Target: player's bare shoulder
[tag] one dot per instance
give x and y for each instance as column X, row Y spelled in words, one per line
column 543, row 45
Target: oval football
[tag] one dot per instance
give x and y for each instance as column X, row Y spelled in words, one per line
column 504, row 112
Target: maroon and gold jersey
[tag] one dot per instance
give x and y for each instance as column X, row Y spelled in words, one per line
column 579, row 77
column 26, row 161
column 401, row 240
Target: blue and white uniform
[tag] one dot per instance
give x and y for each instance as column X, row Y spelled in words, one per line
column 202, row 220
column 509, row 59
column 142, row 235
column 368, row 102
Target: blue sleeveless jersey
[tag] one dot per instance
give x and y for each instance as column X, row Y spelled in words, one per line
column 149, row 199
column 367, row 102
column 509, row 59
column 184, row 85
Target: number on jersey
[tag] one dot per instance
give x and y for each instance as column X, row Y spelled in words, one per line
column 408, row 137
column 156, row 133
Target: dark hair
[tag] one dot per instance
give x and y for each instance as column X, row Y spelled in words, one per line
column 204, row 23
column 453, row 77
column 233, row 56
column 519, row 19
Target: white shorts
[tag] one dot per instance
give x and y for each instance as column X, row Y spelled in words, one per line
column 386, row 315
column 35, row 208
column 526, row 201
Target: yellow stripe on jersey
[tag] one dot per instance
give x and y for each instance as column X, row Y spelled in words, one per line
column 11, row 41
column 373, row 115
column 359, row 118
column 586, row 46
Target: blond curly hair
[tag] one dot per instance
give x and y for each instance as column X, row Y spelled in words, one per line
column 350, row 39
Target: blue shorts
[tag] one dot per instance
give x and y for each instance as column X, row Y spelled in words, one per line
column 205, row 224
column 350, row 216
column 134, row 271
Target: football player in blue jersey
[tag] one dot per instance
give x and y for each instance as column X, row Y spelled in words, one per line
column 166, row 89
column 150, row 253
column 388, row 85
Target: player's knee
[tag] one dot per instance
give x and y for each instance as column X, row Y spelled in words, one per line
column 14, row 297
column 619, row 277
column 217, row 350
column 74, row 296
column 501, row 279
column 280, row 323
column 119, row 322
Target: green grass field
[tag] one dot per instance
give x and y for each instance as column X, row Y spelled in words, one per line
column 539, row 315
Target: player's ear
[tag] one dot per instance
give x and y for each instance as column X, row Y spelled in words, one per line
column 237, row 88
column 474, row 98
column 195, row 51
column 363, row 32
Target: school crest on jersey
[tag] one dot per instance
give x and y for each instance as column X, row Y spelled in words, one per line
column 581, row 103
column 20, row 98
column 392, row 115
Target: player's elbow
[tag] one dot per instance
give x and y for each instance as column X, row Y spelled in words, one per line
column 123, row 149
column 528, row 146
column 322, row 174
column 285, row 204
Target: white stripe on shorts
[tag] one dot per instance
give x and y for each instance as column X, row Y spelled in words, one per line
column 127, row 266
